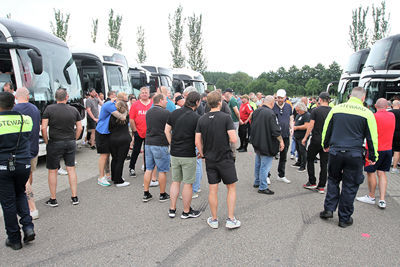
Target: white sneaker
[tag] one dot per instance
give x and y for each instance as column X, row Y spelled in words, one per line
column 35, row 214
column 382, row 204
column 103, row 181
column 194, row 195
column 212, row 223
column 142, row 167
column 108, row 178
column 283, row 179
column 123, row 184
column 394, row 171
column 291, row 156
column 198, row 191
column 268, row 180
column 153, row 183
column 366, row 199
column 61, row 171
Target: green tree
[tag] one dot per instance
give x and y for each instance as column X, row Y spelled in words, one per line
column 60, row 26
column 281, row 84
column 358, row 29
column 175, row 27
column 313, row 87
column 381, row 22
column 141, row 54
column 95, row 24
column 221, row 84
column 114, row 27
column 196, row 60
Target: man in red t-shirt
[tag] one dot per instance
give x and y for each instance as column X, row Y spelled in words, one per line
column 386, row 124
column 244, row 123
column 137, row 120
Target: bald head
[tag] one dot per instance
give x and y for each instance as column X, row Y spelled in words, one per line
column 269, row 101
column 304, row 100
column 381, row 103
column 22, row 95
column 396, row 104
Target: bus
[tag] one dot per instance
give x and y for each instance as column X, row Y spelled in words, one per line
column 187, row 77
column 381, row 74
column 351, row 74
column 102, row 68
column 139, row 77
column 159, row 76
column 41, row 62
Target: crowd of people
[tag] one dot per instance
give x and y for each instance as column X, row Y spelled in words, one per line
column 176, row 133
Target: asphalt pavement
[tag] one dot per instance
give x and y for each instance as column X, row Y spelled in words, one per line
column 112, row 226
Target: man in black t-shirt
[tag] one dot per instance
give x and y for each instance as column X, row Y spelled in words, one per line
column 396, row 137
column 180, row 132
column 300, row 126
column 318, row 116
column 61, row 120
column 214, row 134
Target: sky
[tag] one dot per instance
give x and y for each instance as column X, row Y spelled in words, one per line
column 249, row 36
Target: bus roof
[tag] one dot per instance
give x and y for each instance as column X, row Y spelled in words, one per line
column 18, row 29
column 103, row 53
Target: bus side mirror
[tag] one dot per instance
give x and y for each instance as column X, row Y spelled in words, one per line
column 37, row 61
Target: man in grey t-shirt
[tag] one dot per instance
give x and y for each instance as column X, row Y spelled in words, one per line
column 92, row 109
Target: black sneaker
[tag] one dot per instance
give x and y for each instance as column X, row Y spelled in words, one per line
column 14, row 246
column 74, row 200
column 52, row 202
column 256, row 185
column 296, row 165
column 164, row 197
column 191, row 214
column 172, row 213
column 147, row 197
column 266, row 191
column 132, row 173
column 29, row 235
column 326, row 214
column 308, row 185
column 301, row 169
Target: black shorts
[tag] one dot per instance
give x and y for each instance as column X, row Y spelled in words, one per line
column 222, row 170
column 103, row 143
column 396, row 144
column 60, row 149
column 383, row 164
column 91, row 124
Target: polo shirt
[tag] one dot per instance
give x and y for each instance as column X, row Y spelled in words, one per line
column 245, row 111
column 283, row 115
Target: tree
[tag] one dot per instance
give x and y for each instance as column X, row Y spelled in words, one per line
column 313, row 87
column 358, row 29
column 60, row 28
column 195, row 47
column 114, row 26
column 221, row 83
column 141, row 54
column 175, row 27
column 95, row 24
column 381, row 22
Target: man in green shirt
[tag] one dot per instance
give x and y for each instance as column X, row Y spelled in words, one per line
column 233, row 106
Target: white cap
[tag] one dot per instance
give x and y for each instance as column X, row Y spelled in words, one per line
column 281, row 93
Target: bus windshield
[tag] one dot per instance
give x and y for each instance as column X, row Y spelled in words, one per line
column 352, row 65
column 199, row 86
column 378, row 56
column 58, row 72
column 117, row 78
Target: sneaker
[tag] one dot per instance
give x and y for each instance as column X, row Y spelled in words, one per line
column 123, row 184
column 147, row 197
column 296, row 165
column 164, row 197
column 382, row 204
column 61, row 171
column 212, row 223
column 191, row 214
column 142, row 167
column 231, row 224
column 283, row 179
column 172, row 213
column 366, row 199
column 321, row 190
column 266, row 191
column 74, row 200
column 52, row 202
column 154, row 183
column 103, row 181
column 394, row 171
column 291, row 156
column 308, row 185
column 301, row 169
column 268, row 181
column 198, row 191
column 35, row 214
column 108, row 178
column 194, row 195
column 132, row 173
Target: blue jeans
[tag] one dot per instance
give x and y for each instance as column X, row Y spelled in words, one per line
column 293, row 149
column 13, row 200
column 199, row 174
column 262, row 167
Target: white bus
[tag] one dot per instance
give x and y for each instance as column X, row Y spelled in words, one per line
column 102, row 68
column 381, row 74
column 139, row 77
column 160, row 76
column 187, row 77
column 39, row 61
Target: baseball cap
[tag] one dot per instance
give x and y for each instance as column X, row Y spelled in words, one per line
column 324, row 96
column 229, row 90
column 281, row 93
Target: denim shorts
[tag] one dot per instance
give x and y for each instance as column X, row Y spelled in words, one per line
column 157, row 156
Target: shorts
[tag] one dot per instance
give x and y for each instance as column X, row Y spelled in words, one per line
column 383, row 164
column 60, row 149
column 91, row 124
column 157, row 156
column 221, row 170
column 396, row 144
column 102, row 143
column 183, row 169
column 34, row 163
